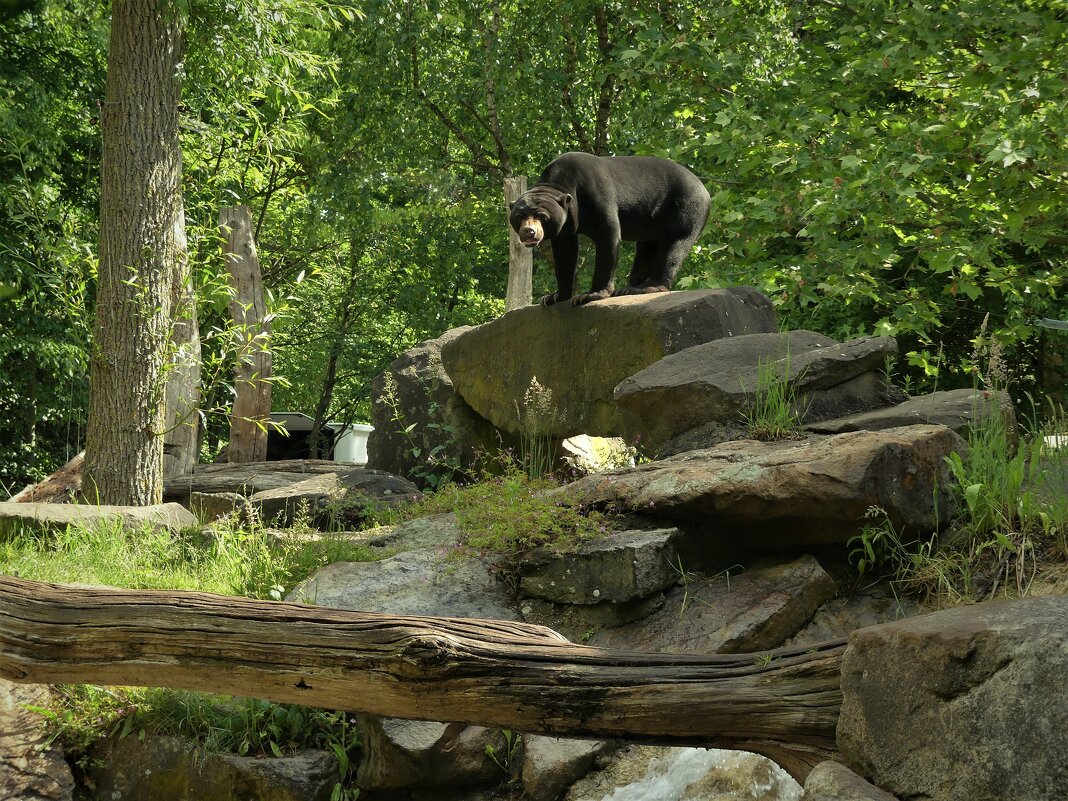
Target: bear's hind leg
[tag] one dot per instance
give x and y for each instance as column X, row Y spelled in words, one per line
column 662, row 268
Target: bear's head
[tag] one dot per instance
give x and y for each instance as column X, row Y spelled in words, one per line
column 538, row 214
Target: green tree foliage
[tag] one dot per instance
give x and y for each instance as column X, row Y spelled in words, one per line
column 877, row 167
column 51, row 77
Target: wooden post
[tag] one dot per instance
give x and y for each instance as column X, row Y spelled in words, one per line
column 783, row 703
column 252, row 386
column 520, row 258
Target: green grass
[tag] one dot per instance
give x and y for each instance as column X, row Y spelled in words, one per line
column 1011, row 520
column 235, row 560
column 773, row 413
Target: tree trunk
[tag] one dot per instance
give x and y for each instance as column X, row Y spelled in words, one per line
column 181, row 443
column 784, row 703
column 252, row 372
column 520, row 258
column 142, row 245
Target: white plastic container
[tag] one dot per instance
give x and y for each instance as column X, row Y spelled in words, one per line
column 351, row 445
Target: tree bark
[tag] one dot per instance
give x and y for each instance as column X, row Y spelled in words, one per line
column 252, row 372
column 520, row 258
column 142, row 246
column 784, row 703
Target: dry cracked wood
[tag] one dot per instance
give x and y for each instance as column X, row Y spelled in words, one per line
column 522, row 677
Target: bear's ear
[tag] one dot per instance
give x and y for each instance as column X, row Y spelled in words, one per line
column 511, row 205
column 566, row 201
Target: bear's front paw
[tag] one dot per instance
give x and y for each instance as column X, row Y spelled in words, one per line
column 590, row 297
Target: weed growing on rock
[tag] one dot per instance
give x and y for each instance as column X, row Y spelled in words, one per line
column 773, row 412
column 504, row 517
column 535, row 419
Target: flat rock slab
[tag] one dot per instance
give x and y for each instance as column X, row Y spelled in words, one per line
column 52, row 516
column 620, row 567
column 333, row 499
column 831, row 781
column 815, row 491
column 422, row 582
column 957, row 409
column 752, row 611
column 579, row 355
column 716, row 382
column 967, row 704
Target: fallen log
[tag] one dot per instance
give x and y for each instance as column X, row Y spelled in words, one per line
column 781, row 703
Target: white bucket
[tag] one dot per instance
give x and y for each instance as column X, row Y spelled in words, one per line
column 351, row 445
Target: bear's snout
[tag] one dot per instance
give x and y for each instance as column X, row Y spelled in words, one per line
column 531, row 232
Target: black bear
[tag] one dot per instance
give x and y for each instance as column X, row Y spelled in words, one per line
column 655, row 202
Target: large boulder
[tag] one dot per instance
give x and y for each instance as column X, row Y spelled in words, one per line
column 56, row 516
column 579, row 355
column 422, row 428
column 31, row 769
column 760, row 496
column 716, row 382
column 966, row 704
column 752, row 611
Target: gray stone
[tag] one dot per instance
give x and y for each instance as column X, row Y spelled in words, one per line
column 752, row 611
column 579, row 355
column 169, row 768
column 423, row 532
column 30, row 770
column 717, row 381
column 869, row 606
column 422, row 582
column 686, row 774
column 209, row 506
column 551, row 764
column 957, row 409
column 416, row 413
column 830, row 781
column 55, row 516
column 579, row 622
column 759, row 496
column 966, row 704
column 334, row 500
column 411, row 754
column 620, row 567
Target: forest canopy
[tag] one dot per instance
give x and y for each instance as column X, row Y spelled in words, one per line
column 876, row 167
